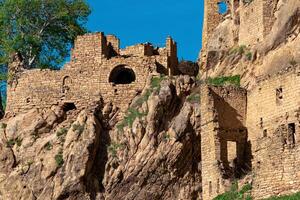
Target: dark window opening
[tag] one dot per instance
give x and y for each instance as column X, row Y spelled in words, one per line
column 28, row 100
column 69, row 106
column 261, row 123
column 210, row 188
column 223, row 7
column 122, row 75
column 279, row 95
column 291, row 133
column 265, row 134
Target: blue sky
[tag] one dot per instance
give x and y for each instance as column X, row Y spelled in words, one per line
column 139, row 21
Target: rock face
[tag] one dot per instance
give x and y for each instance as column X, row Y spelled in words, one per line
column 152, row 153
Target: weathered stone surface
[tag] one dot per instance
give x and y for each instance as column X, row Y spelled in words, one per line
column 265, row 33
column 80, row 155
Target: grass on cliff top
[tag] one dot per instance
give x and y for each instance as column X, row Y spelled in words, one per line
column 287, row 197
column 225, row 80
column 235, row 194
column 244, row 194
column 193, row 98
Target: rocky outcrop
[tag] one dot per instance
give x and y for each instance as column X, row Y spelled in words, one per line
column 152, row 152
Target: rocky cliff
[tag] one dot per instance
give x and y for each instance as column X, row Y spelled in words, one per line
column 152, row 152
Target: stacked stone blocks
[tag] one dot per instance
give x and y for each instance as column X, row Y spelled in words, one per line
column 88, row 77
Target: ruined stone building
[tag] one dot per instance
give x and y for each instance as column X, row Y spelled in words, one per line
column 245, row 23
column 98, row 69
column 245, row 132
column 256, row 131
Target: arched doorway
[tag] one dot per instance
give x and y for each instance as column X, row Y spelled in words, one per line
column 122, row 75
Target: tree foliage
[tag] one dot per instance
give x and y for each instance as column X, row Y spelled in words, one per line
column 40, row 31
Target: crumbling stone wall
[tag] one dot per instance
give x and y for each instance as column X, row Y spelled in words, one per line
column 243, row 24
column 223, row 137
column 256, row 21
column 274, row 130
column 273, row 98
column 86, row 79
column 257, row 131
column 251, row 23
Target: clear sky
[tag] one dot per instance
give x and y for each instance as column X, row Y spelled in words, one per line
column 139, row 21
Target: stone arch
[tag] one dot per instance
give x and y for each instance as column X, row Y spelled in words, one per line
column 122, row 74
column 67, row 81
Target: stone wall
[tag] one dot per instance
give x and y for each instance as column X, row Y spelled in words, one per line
column 257, row 131
column 256, row 21
column 212, row 18
column 251, row 23
column 223, row 136
column 243, row 24
column 273, row 98
column 274, row 130
column 87, row 77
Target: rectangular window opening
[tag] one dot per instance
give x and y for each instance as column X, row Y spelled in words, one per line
column 291, row 133
column 265, row 133
column 232, row 152
column 261, row 123
column 279, row 95
column 210, row 188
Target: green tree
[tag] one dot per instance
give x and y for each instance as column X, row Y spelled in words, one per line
column 40, row 31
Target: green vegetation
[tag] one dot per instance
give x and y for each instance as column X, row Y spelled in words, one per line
column 3, row 125
column 243, row 194
column 10, row 143
column 166, row 137
column 48, row 146
column 29, row 163
column 41, row 32
column 113, row 149
column 139, row 102
column 59, row 159
column 193, row 98
column 35, row 136
column 79, row 128
column 129, row 118
column 247, row 1
column 155, row 82
column 61, row 132
column 225, row 80
column 235, row 194
column 249, row 56
column 287, row 197
column 238, row 50
column 241, row 50
column 133, row 112
column 19, row 141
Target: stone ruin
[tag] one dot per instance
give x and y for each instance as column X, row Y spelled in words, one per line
column 246, row 22
column 98, row 69
column 254, row 132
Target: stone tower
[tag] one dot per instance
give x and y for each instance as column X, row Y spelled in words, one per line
column 212, row 18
